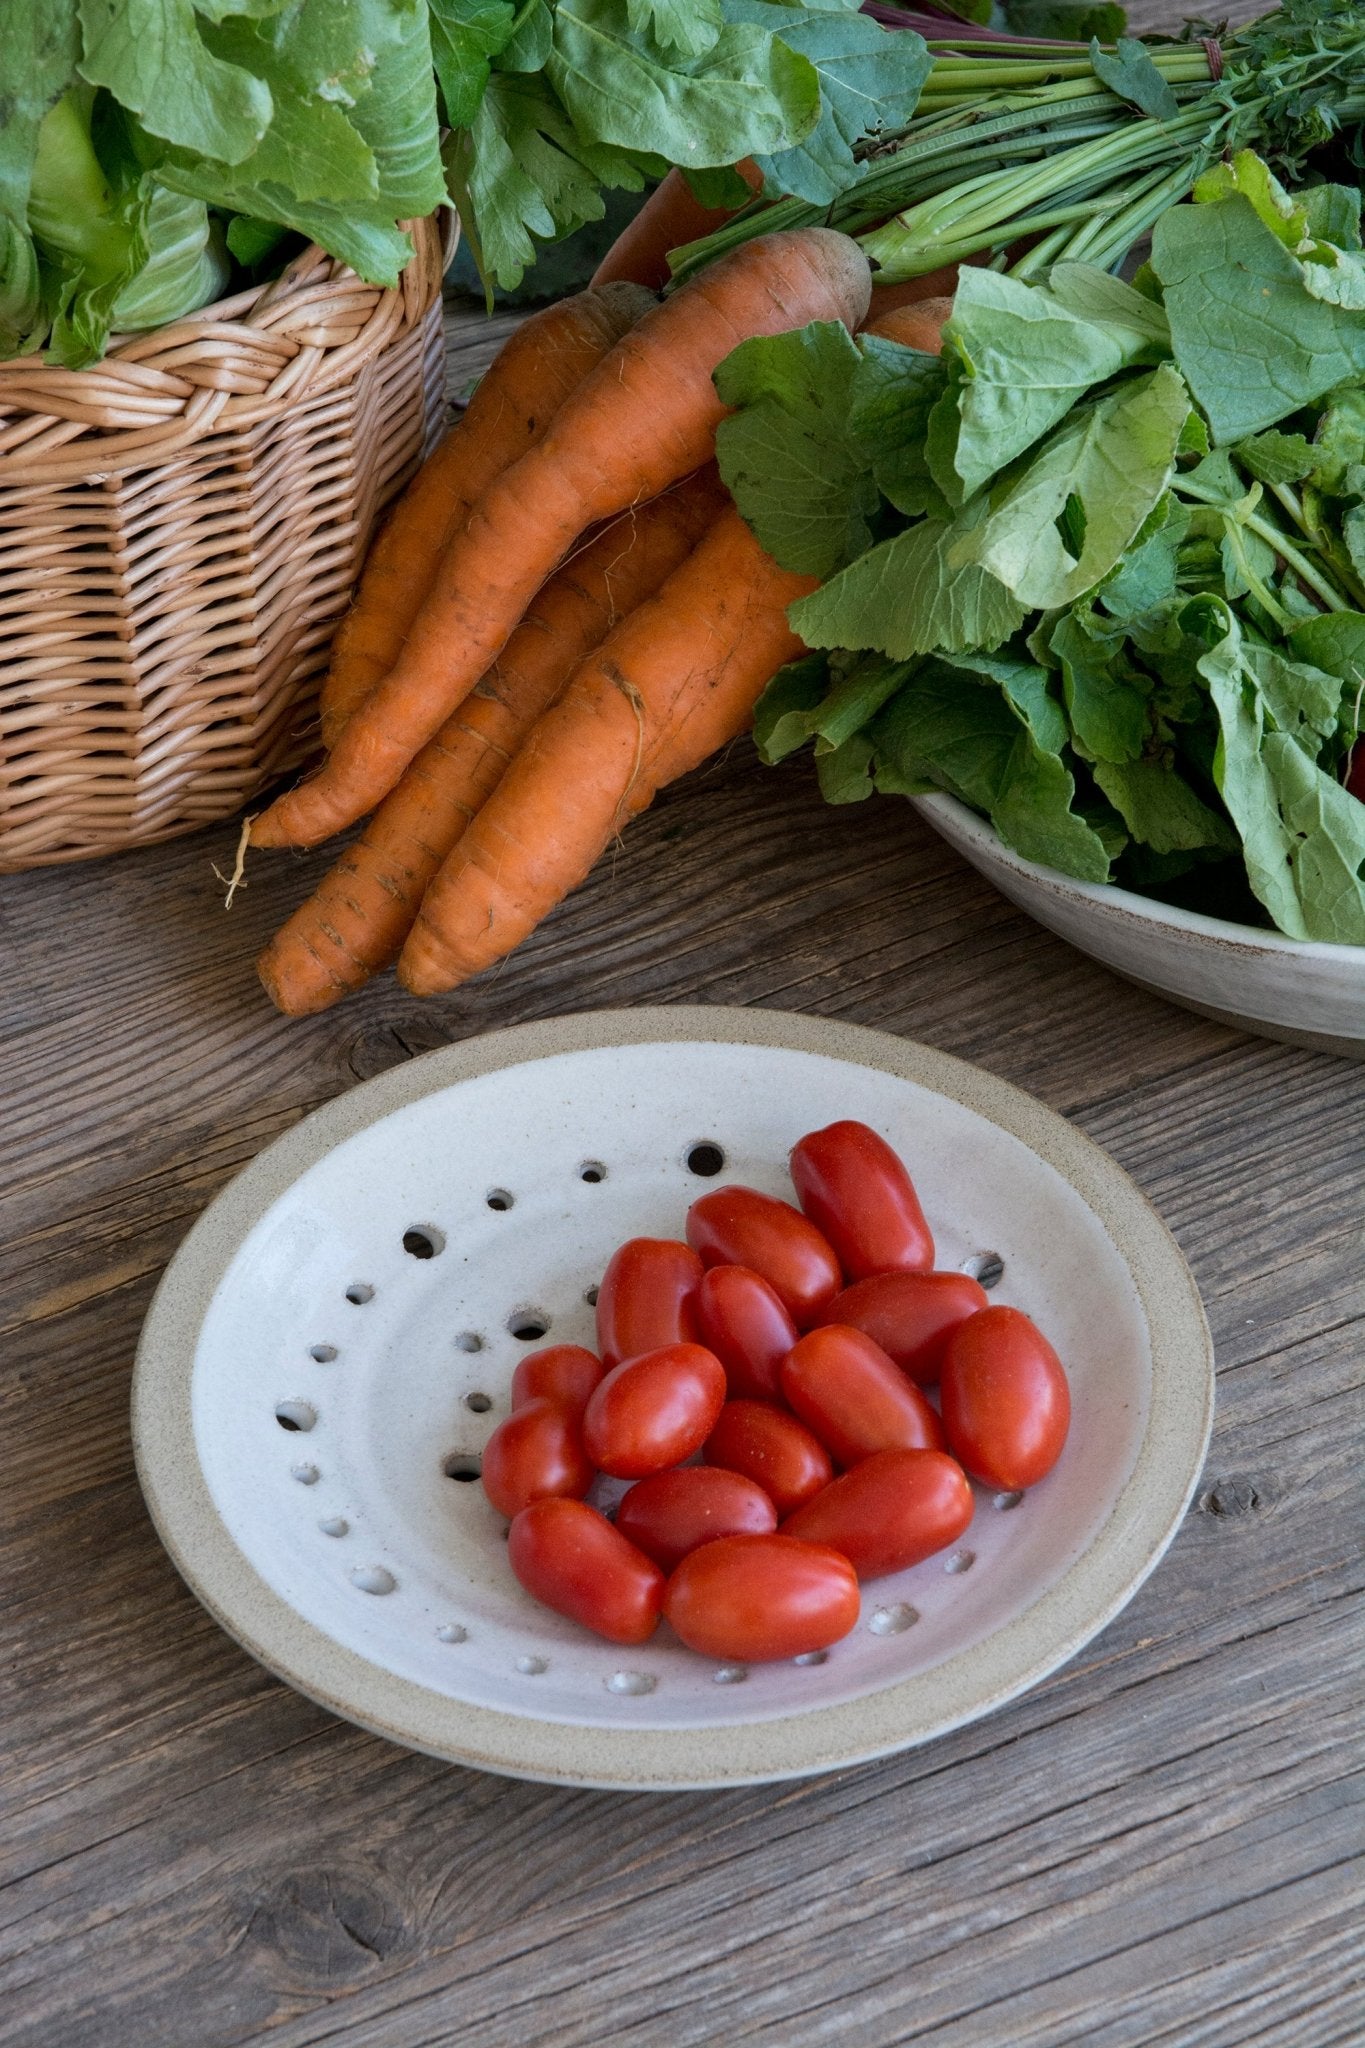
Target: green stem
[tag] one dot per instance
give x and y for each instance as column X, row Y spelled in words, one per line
column 1275, row 537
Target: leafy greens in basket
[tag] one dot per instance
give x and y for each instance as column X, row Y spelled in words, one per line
column 1098, row 570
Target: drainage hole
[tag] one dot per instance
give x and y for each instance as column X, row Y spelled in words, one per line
column 527, row 1324
column 959, row 1561
column 531, row 1667
column 296, row 1414
column 423, row 1241
column 452, row 1632
column 705, row 1158
column 334, row 1525
column 322, row 1354
column 307, row 1475
column 730, row 1674
column 986, row 1268
column 1004, row 1501
column 590, row 1296
column 360, row 1293
column 592, row 1170
column 633, row 1682
column 478, row 1403
column 469, row 1340
column 372, row 1578
column 462, row 1465
column 893, row 1621
column 812, row 1657
column 498, row 1198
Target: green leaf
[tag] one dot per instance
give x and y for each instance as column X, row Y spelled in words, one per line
column 1130, row 73
column 532, row 39
column 251, row 241
column 1334, row 641
column 786, row 456
column 363, row 237
column 1339, row 439
column 689, row 26
column 312, row 147
column 1303, row 701
column 1159, row 807
column 1095, row 295
column 904, row 598
column 152, row 56
column 1251, row 340
column 870, row 80
column 465, row 37
column 782, row 715
column 1275, row 458
column 1147, row 578
column 397, row 117
column 845, row 772
column 894, row 390
column 748, row 95
column 41, row 42
column 23, row 322
column 1114, row 458
column 1026, row 359
column 1107, row 709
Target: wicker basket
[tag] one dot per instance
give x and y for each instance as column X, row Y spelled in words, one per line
column 179, row 529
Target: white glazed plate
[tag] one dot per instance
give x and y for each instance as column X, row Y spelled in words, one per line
column 334, row 1342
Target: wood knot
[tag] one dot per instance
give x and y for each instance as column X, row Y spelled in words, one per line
column 1235, row 1496
column 326, row 1926
column 379, row 1046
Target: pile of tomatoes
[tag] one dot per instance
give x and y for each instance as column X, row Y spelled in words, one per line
column 791, row 1348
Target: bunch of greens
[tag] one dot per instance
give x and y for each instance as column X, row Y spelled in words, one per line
column 147, row 146
column 1075, row 153
column 1099, row 569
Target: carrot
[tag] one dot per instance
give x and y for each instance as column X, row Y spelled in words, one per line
column 644, row 417
column 358, row 916
column 669, row 217
column 533, row 374
column 919, row 326
column 673, row 682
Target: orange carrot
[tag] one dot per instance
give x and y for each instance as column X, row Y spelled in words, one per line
column 669, row 218
column 673, row 682
column 360, row 913
column 533, row 374
column 644, row 417
column 918, row 326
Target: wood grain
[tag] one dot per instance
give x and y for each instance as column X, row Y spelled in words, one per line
column 1153, row 1847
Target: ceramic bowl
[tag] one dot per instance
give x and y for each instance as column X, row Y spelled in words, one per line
column 1310, row 994
column 334, row 1342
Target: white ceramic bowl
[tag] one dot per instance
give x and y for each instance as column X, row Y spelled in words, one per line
column 1307, row 993
column 334, row 1342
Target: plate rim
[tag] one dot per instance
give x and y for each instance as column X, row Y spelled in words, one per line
column 1135, row 1536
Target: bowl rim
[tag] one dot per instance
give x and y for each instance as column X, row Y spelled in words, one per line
column 1108, row 895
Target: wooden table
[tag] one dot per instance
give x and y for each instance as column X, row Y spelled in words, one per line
column 1153, row 1847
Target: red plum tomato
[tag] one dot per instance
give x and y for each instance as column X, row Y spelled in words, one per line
column 566, row 1373
column 654, row 1411
column 891, row 1511
column 674, row 1512
column 756, row 1598
column 859, row 1195
column 646, row 1298
column 845, row 1388
column 537, row 1453
column 773, row 1449
column 743, row 1321
column 569, row 1557
column 910, row 1315
column 1006, row 1404
column 740, row 1227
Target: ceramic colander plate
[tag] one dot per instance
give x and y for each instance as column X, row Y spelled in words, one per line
column 334, row 1342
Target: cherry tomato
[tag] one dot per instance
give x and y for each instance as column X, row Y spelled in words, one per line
column 653, row 1411
column 845, row 1388
column 893, row 1510
column 646, row 1298
column 566, row 1373
column 911, row 1315
column 740, row 1227
column 674, row 1512
column 745, row 1324
column 1006, row 1403
column 538, row 1452
column 854, row 1188
column 773, row 1449
column 755, row 1598
column 569, row 1557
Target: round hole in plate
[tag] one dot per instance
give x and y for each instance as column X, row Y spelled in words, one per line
column 704, row 1158
column 322, row 1354
column 478, row 1404
column 423, row 1241
column 893, row 1621
column 1005, row 1501
column 592, row 1171
column 359, row 1293
column 297, row 1415
column 959, row 1561
column 986, row 1268
column 528, row 1324
column 469, row 1340
column 372, row 1578
column 730, row 1674
column 452, row 1632
column 812, row 1657
column 499, row 1199
column 531, row 1667
column 590, row 1296
column 334, row 1525
column 307, row 1475
column 462, row 1465
column 634, row 1683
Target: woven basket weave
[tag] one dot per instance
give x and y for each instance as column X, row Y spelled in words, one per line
column 180, row 526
